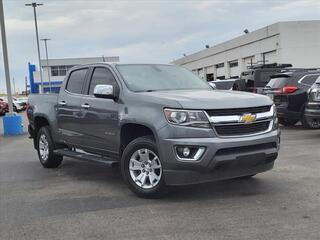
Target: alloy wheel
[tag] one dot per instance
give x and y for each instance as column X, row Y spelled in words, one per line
column 145, row 168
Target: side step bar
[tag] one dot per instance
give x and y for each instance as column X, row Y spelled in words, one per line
column 86, row 157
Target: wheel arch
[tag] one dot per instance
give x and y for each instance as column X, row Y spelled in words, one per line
column 131, row 131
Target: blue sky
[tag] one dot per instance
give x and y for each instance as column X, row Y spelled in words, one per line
column 156, row 31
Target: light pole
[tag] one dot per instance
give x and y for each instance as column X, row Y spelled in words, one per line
column 34, row 5
column 47, row 58
column 5, row 58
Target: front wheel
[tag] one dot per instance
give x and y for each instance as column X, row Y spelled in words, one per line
column 45, row 149
column 142, row 169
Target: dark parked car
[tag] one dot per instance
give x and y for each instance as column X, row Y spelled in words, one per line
column 4, row 108
column 289, row 91
column 312, row 111
column 257, row 77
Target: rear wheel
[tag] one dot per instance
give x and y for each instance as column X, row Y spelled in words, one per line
column 142, row 169
column 287, row 122
column 45, row 149
column 310, row 123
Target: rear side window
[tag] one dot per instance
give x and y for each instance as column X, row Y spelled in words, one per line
column 101, row 76
column 76, row 80
column 278, row 82
column 309, row 79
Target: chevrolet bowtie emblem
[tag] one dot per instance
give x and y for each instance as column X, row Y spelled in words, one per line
column 247, row 118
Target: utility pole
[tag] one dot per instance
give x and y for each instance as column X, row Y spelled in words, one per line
column 5, row 58
column 47, row 58
column 14, row 86
column 35, row 5
column 26, row 81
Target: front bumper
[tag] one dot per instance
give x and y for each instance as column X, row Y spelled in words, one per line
column 224, row 158
column 313, row 110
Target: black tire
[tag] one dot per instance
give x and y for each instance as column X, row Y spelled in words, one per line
column 310, row 123
column 15, row 109
column 48, row 160
column 239, row 85
column 146, row 142
column 287, row 122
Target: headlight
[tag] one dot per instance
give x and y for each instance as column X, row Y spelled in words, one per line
column 189, row 118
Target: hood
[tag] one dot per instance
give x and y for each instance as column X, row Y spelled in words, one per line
column 212, row 99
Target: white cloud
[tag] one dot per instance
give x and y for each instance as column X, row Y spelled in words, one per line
column 137, row 31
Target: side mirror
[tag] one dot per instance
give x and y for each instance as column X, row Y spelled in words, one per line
column 213, row 85
column 103, row 91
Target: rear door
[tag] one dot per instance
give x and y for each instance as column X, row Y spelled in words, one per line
column 69, row 111
column 101, row 119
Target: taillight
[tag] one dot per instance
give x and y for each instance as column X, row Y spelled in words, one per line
column 287, row 90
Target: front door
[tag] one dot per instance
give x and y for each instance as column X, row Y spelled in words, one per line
column 101, row 118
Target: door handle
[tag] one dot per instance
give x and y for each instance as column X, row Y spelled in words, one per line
column 86, row 106
column 62, row 103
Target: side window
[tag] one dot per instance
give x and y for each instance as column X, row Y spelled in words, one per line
column 101, row 76
column 76, row 80
column 309, row 79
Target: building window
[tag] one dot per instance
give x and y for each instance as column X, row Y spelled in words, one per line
column 220, row 65
column 60, row 70
column 233, row 64
column 210, row 77
column 221, row 77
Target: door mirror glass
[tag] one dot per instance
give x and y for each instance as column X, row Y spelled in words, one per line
column 103, row 91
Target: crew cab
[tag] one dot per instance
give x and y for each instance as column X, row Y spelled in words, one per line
column 162, row 124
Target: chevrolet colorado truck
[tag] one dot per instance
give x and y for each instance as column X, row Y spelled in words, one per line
column 161, row 124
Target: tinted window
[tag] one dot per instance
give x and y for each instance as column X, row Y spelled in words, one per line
column 310, row 79
column 101, row 76
column 76, row 80
column 278, row 82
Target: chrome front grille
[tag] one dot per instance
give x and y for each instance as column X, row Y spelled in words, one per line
column 237, row 111
column 229, row 122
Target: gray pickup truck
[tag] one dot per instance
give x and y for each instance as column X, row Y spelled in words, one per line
column 161, row 124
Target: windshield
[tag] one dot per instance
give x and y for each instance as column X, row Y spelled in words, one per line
column 141, row 78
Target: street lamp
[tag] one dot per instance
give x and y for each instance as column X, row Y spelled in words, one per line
column 34, row 5
column 5, row 58
column 47, row 58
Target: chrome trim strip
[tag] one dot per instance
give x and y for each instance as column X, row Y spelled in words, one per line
column 236, row 118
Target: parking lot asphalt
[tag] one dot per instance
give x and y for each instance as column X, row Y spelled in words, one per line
column 82, row 200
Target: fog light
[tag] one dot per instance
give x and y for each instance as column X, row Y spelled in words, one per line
column 190, row 153
column 186, row 151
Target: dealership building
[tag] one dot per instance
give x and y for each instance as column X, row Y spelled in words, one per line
column 56, row 69
column 296, row 43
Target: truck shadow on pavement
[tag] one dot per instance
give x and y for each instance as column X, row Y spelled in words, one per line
column 95, row 173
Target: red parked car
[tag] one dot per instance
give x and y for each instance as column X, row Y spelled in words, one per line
column 4, row 108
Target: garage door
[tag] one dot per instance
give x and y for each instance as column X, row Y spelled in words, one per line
column 270, row 57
